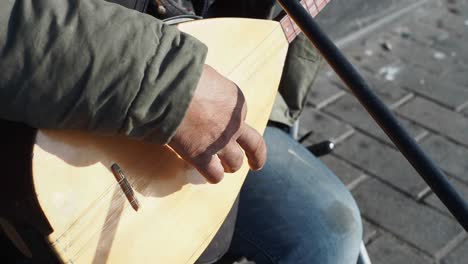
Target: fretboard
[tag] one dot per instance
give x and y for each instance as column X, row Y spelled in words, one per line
column 291, row 30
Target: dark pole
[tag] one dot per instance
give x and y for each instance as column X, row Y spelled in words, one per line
column 433, row 176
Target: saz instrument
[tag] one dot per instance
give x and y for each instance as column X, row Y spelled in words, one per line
column 115, row 200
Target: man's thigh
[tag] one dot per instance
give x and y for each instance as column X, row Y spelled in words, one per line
column 295, row 210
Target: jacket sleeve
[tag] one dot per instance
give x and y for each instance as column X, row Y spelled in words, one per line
column 95, row 66
column 300, row 71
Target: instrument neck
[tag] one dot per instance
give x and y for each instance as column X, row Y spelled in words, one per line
column 313, row 7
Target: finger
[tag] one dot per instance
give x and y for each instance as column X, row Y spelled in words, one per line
column 254, row 146
column 231, row 157
column 210, row 167
column 244, row 109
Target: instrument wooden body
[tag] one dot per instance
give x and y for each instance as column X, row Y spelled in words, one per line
column 180, row 213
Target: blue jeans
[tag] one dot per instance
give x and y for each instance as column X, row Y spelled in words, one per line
column 295, row 210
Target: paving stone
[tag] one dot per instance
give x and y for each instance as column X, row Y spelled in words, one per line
column 458, row 74
column 390, row 93
column 370, row 55
column 434, row 201
column 388, row 250
column 369, row 230
column 414, row 223
column 420, row 33
column 458, row 4
column 439, row 89
column 389, row 72
column 371, row 61
column 323, row 127
column 457, row 256
column 465, row 111
column 348, row 109
column 436, row 9
column 414, row 129
column 347, row 173
column 323, row 92
column 383, row 162
column 367, row 46
column 454, row 46
column 443, row 19
column 453, row 23
column 419, row 55
column 387, row 91
column 440, row 119
column 451, row 157
column 458, row 7
column 454, row 42
column 429, row 40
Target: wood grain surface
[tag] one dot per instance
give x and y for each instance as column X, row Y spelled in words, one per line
column 180, row 212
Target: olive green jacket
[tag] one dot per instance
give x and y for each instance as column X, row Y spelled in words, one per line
column 96, row 66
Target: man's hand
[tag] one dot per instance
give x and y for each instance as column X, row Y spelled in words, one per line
column 213, row 133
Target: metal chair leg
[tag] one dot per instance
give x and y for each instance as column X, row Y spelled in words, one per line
column 294, row 132
column 363, row 255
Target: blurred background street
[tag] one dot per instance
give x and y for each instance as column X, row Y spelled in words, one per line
column 414, row 54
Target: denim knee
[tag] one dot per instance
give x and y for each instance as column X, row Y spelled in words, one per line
column 295, row 210
column 342, row 233
column 337, row 242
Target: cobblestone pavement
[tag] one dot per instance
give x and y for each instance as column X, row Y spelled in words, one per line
column 418, row 65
